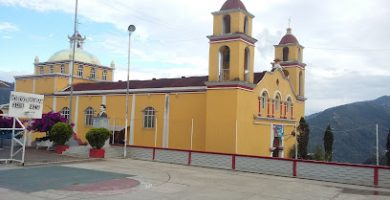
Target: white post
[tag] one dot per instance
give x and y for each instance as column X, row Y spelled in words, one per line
column 192, row 131
column 24, row 145
column 377, row 145
column 12, row 139
column 296, row 143
column 236, row 136
column 155, row 135
column 113, row 132
column 124, row 145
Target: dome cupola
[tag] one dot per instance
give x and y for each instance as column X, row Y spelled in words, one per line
column 233, row 4
column 289, row 38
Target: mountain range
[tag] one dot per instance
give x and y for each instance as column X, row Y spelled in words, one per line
column 354, row 129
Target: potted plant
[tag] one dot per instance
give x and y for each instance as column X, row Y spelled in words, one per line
column 96, row 138
column 60, row 133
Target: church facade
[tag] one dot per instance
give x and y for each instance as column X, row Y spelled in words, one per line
column 232, row 110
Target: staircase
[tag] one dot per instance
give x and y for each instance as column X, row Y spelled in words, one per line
column 78, row 151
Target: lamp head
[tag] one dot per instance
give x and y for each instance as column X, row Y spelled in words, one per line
column 131, row 28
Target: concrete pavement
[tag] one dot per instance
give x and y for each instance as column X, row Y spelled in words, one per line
column 134, row 179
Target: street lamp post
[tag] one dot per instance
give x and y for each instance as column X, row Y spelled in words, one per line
column 131, row 29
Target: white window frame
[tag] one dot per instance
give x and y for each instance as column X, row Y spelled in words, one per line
column 104, row 75
column 92, row 75
column 65, row 112
column 80, row 71
column 62, row 69
column 89, row 115
column 51, row 69
column 149, row 117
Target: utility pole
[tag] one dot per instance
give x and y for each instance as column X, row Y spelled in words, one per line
column 72, row 64
column 377, row 145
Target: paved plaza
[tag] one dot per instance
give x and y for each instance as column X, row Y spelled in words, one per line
column 135, row 179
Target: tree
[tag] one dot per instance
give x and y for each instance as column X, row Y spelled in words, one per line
column 303, row 138
column 328, row 144
column 318, row 154
column 388, row 149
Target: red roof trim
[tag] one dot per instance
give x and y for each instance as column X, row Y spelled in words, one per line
column 230, row 86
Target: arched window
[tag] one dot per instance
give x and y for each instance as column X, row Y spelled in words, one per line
column 285, row 53
column 246, row 64
column 89, row 114
column 93, row 73
column 226, row 24
column 277, row 102
column 264, row 98
column 289, row 103
column 300, row 84
column 65, row 112
column 149, row 115
column 224, row 54
column 246, row 24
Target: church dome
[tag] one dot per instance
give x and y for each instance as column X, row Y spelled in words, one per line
column 289, row 38
column 233, row 4
column 80, row 55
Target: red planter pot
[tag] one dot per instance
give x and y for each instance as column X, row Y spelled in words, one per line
column 61, row 148
column 96, row 153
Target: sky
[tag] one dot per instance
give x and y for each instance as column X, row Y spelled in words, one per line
column 347, row 43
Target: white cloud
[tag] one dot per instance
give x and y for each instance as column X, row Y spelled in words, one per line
column 8, row 27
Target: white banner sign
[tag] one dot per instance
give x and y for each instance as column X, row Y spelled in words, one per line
column 25, row 105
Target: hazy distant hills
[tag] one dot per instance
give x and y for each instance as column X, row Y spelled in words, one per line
column 353, row 129
column 5, row 89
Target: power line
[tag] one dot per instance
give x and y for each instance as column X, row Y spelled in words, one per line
column 345, row 49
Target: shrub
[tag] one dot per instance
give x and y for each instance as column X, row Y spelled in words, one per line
column 60, row 133
column 97, row 137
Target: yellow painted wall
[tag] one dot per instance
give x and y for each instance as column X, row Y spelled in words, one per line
column 145, row 136
column 184, row 108
column 221, row 113
column 84, row 103
column 24, row 85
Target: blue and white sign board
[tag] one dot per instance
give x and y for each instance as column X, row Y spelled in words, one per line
column 278, row 130
column 25, row 105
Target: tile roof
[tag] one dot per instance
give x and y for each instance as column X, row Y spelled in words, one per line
column 196, row 81
column 233, row 4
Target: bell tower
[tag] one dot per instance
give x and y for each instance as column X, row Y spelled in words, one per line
column 231, row 54
column 290, row 54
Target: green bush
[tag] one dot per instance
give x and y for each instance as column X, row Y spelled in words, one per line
column 60, row 133
column 97, row 137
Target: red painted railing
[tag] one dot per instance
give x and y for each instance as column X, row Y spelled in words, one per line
column 293, row 161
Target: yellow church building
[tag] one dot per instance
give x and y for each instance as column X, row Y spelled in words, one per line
column 232, row 110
